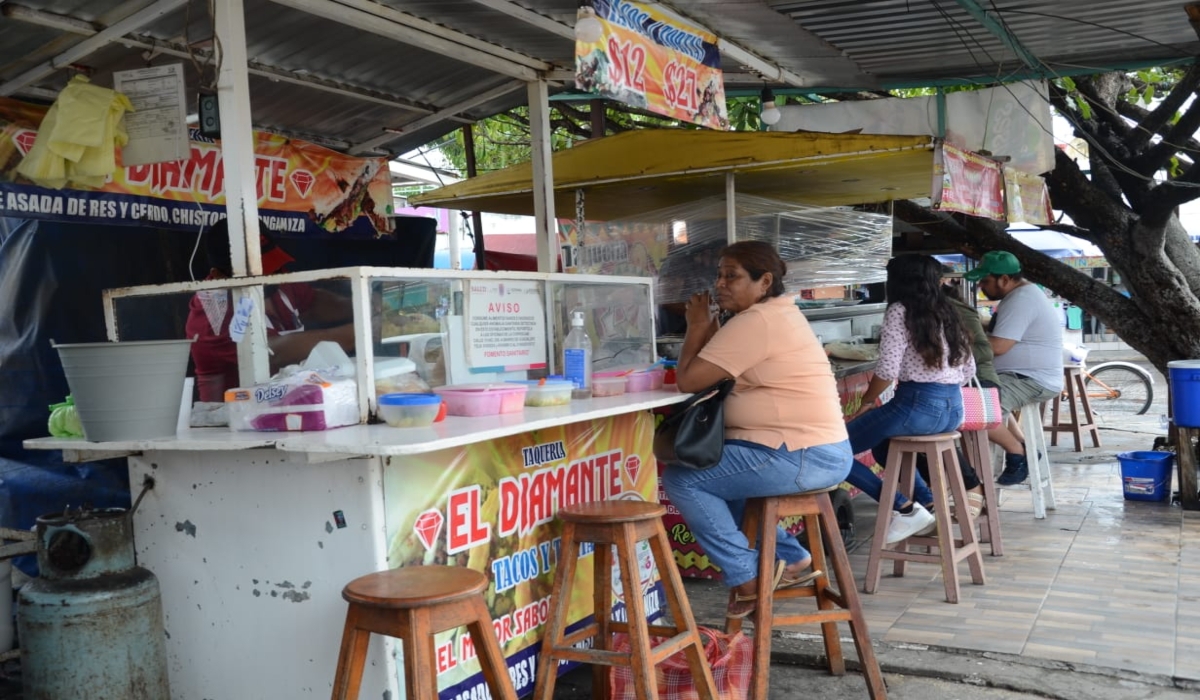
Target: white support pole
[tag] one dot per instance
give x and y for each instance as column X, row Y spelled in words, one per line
column 543, row 176
column 454, row 239
column 730, row 209
column 241, row 193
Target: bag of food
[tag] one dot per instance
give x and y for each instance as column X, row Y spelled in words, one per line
column 64, row 419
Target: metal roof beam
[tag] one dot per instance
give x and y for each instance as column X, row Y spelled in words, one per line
column 83, row 28
column 398, row 26
column 530, row 17
column 390, row 135
column 87, row 46
column 1000, row 30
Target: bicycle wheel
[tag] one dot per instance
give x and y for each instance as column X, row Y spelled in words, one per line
column 1118, row 390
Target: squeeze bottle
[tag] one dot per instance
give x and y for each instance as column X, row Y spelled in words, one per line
column 577, row 358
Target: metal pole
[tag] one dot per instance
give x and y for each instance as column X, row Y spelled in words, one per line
column 599, row 119
column 543, row 176
column 468, row 132
column 730, row 209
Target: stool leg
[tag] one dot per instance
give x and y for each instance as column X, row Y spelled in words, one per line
column 602, row 596
column 937, row 478
column 645, row 685
column 1087, row 409
column 829, row 630
column 491, row 657
column 845, row 582
column 908, row 477
column 751, row 517
column 1054, row 423
column 681, row 613
column 891, row 474
column 966, row 528
column 1076, row 426
column 764, row 608
column 420, row 658
column 564, row 577
column 351, row 659
column 979, row 451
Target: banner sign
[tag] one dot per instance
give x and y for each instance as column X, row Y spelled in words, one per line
column 1027, row 197
column 303, row 189
column 491, row 506
column 650, row 60
column 968, row 183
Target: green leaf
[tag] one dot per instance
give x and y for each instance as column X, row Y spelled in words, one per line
column 1085, row 109
column 1176, row 168
column 1148, row 94
column 1068, row 83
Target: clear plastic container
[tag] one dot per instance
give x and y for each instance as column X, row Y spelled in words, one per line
column 608, row 386
column 547, row 392
column 398, row 375
column 409, row 410
column 644, row 380
column 482, row 399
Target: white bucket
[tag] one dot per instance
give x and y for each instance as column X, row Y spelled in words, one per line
column 126, row 391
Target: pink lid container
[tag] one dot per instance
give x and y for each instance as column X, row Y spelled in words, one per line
column 482, row 399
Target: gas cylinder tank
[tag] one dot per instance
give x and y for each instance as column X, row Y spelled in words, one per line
column 91, row 626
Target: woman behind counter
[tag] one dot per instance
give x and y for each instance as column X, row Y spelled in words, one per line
column 784, row 431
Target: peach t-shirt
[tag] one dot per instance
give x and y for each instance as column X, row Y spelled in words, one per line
column 785, row 391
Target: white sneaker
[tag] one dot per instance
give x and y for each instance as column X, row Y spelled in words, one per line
column 919, row 521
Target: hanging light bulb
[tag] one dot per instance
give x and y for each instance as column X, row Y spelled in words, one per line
column 770, row 113
column 587, row 26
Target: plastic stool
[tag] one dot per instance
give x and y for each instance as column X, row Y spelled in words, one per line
column 979, row 453
column 623, row 524
column 901, row 468
column 834, row 605
column 1082, row 420
column 1040, row 482
column 412, row 604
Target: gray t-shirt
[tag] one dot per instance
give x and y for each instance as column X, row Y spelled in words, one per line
column 1028, row 317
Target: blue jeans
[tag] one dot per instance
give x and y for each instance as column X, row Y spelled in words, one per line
column 712, row 501
column 917, row 408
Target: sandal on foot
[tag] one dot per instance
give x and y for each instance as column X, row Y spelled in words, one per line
column 975, row 504
column 742, row 606
column 801, row 580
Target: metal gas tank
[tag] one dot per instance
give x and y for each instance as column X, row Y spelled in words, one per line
column 91, row 626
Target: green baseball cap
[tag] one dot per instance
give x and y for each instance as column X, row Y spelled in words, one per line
column 996, row 262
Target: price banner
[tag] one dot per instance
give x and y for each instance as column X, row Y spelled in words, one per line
column 651, row 60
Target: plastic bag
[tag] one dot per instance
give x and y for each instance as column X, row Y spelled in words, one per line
column 64, row 420
column 303, row 400
column 731, row 657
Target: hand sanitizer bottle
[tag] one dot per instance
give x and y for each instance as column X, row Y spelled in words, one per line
column 577, row 358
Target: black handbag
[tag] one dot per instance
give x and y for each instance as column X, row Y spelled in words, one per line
column 694, row 435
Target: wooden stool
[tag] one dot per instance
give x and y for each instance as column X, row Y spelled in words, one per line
column 623, row 524
column 834, row 605
column 1082, row 420
column 1040, row 482
column 414, row 603
column 979, row 453
column 902, row 468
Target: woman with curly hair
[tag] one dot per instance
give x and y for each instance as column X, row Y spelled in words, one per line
column 925, row 350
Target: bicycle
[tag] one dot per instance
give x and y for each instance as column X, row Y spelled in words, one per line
column 1117, row 388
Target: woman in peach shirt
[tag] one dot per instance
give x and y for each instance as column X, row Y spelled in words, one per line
column 784, row 431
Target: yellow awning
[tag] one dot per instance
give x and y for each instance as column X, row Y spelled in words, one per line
column 640, row 171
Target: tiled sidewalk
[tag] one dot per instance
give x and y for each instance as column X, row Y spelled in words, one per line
column 1101, row 581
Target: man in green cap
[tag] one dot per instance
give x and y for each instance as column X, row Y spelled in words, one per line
column 1026, row 338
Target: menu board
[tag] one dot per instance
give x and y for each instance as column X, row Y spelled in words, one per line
column 506, row 326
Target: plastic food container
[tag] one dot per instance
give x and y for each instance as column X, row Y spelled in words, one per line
column 482, row 399
column 398, row 375
column 644, row 380
column 547, row 392
column 409, row 410
column 608, row 386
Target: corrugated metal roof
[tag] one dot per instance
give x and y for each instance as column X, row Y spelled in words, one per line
column 315, row 77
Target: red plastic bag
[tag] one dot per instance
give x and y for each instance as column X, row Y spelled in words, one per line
column 730, row 656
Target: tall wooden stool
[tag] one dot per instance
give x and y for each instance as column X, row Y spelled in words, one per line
column 623, row 524
column 946, row 480
column 413, row 603
column 833, row 604
column 1082, row 421
column 979, row 453
column 1040, row 482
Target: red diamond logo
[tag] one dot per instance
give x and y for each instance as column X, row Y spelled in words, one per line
column 632, row 466
column 303, row 181
column 24, row 139
column 428, row 527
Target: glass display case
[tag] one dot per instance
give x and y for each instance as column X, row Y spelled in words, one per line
column 400, row 329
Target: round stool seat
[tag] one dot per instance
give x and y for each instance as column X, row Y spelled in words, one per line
column 952, row 435
column 611, row 512
column 414, row 587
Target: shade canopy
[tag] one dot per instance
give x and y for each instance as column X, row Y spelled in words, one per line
column 644, row 170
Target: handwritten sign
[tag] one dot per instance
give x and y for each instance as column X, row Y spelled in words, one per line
column 648, row 59
column 506, row 326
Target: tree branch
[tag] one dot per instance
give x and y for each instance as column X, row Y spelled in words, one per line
column 1137, row 113
column 1161, row 202
column 1158, row 155
column 1086, row 203
column 1157, row 119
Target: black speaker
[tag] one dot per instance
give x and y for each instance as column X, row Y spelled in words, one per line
column 210, row 115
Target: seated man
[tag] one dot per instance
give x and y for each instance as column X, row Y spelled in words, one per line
column 289, row 309
column 1026, row 338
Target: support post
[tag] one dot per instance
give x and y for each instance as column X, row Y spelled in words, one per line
column 543, row 176
column 599, row 119
column 730, row 209
column 468, row 132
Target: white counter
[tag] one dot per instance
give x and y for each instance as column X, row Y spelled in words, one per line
column 374, row 440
